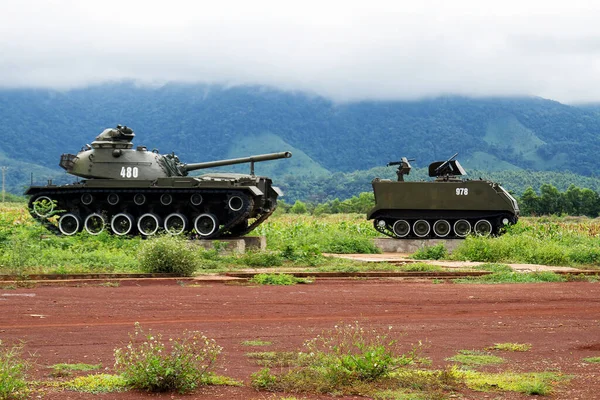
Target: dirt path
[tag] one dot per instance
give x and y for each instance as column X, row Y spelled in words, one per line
column 86, row 324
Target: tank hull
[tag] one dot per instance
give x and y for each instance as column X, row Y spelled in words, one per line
column 207, row 207
column 441, row 209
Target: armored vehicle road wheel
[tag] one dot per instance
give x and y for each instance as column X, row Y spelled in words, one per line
column 483, row 227
column 139, row 199
column 235, row 203
column 206, row 225
column 43, row 206
column 166, row 199
column 175, row 223
column 87, row 198
column 462, row 228
column 94, row 224
column 441, row 228
column 196, row 199
column 113, row 199
column 401, row 228
column 421, row 228
column 148, row 224
column 69, row 224
column 121, row 224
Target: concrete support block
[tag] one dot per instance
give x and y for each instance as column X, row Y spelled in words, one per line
column 389, row 245
column 234, row 246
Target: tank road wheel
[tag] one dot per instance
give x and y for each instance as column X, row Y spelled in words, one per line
column 421, row 228
column 86, row 199
column 441, row 228
column 483, row 227
column 94, row 224
column 196, row 199
column 113, row 199
column 235, row 203
column 175, row 223
column 462, row 228
column 69, row 224
column 166, row 199
column 121, row 224
column 206, row 225
column 139, row 199
column 148, row 224
column 43, row 206
column 401, row 228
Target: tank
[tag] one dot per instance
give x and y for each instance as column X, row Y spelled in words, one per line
column 136, row 191
column 447, row 207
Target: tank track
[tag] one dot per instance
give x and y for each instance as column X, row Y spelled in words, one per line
column 203, row 213
column 442, row 228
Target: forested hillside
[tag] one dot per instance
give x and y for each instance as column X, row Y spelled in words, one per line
column 202, row 123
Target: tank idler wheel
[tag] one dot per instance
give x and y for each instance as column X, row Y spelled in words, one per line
column 121, row 224
column 148, row 224
column 462, row 228
column 139, row 199
column 113, row 199
column 421, row 228
column 94, row 224
column 196, row 199
column 483, row 227
column 235, row 203
column 69, row 224
column 43, row 206
column 401, row 228
column 441, row 228
column 86, row 199
column 206, row 225
column 175, row 223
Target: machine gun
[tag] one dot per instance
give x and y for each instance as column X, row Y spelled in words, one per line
column 404, row 167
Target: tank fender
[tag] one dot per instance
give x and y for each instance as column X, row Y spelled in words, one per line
column 255, row 191
column 277, row 190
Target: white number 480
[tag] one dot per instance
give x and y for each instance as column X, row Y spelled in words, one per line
column 462, row 191
column 130, row 172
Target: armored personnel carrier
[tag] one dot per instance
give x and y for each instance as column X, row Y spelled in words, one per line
column 136, row 191
column 447, row 207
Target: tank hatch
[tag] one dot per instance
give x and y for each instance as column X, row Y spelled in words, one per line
column 450, row 167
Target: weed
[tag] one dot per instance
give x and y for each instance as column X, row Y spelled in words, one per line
column 256, row 342
column 436, row 252
column 511, row 346
column 179, row 364
column 96, row 384
column 168, row 254
column 13, row 370
column 261, row 259
column 110, row 284
column 62, row 370
column 593, row 360
column 277, row 279
column 420, row 267
column 533, row 383
column 475, row 358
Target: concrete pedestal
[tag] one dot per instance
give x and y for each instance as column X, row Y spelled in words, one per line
column 237, row 245
column 389, row 245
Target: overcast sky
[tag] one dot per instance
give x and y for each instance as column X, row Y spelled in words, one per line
column 345, row 50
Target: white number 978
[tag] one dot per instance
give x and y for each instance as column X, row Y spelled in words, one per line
column 462, row 191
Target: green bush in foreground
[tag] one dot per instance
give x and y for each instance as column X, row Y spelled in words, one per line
column 13, row 385
column 276, row 279
column 179, row 364
column 436, row 252
column 168, row 254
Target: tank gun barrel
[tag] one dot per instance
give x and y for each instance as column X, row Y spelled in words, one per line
column 251, row 160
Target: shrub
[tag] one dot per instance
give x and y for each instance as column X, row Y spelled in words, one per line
column 168, row 254
column 12, row 373
column 436, row 252
column 261, row 259
column 179, row 364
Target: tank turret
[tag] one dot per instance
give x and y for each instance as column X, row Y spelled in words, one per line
column 448, row 207
column 133, row 191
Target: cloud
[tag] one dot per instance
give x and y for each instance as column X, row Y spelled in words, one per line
column 345, row 50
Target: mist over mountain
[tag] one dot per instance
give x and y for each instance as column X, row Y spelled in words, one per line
column 209, row 122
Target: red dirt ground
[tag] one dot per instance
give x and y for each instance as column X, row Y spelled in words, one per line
column 86, row 324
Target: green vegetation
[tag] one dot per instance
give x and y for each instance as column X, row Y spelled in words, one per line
column 532, row 383
column 593, row 360
column 277, row 279
column 61, row 370
column 96, row 384
column 13, row 368
column 256, row 342
column 436, row 252
column 505, row 274
column 475, row 358
column 168, row 254
column 511, row 346
column 179, row 364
